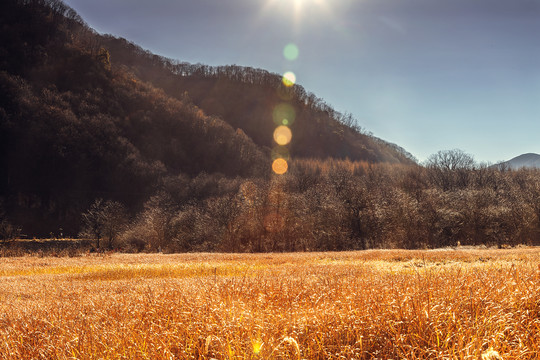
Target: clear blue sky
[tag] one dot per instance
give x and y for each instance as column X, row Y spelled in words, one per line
column 427, row 75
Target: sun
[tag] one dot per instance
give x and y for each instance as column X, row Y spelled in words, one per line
column 298, row 8
column 299, row 4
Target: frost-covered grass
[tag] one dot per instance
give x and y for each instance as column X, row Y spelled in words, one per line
column 394, row 304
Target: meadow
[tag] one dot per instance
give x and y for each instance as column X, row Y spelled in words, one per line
column 377, row 304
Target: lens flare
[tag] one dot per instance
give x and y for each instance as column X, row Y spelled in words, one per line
column 284, row 111
column 289, row 79
column 280, row 166
column 285, row 93
column 282, row 135
column 290, row 52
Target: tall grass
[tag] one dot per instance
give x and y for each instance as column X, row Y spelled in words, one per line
column 478, row 304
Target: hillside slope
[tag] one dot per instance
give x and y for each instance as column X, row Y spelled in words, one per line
column 84, row 116
column 250, row 99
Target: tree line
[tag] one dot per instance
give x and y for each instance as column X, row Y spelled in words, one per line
column 338, row 205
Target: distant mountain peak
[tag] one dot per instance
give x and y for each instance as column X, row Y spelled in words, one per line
column 528, row 160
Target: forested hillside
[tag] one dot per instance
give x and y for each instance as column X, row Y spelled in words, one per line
column 249, row 99
column 84, row 116
column 75, row 128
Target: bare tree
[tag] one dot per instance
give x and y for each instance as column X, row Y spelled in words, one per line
column 450, row 169
column 115, row 221
column 93, row 222
column 8, row 232
column 104, row 219
column 157, row 220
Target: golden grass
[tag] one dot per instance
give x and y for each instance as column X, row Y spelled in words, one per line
column 451, row 304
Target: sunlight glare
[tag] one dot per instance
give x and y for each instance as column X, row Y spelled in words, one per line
column 257, row 346
column 299, row 9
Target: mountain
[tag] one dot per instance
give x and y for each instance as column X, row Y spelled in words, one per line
column 529, row 160
column 86, row 116
column 249, row 98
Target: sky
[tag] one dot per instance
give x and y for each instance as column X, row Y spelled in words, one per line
column 427, row 75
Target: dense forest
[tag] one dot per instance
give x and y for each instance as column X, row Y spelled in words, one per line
column 104, row 140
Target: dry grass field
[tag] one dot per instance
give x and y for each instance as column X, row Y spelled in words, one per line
column 446, row 304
